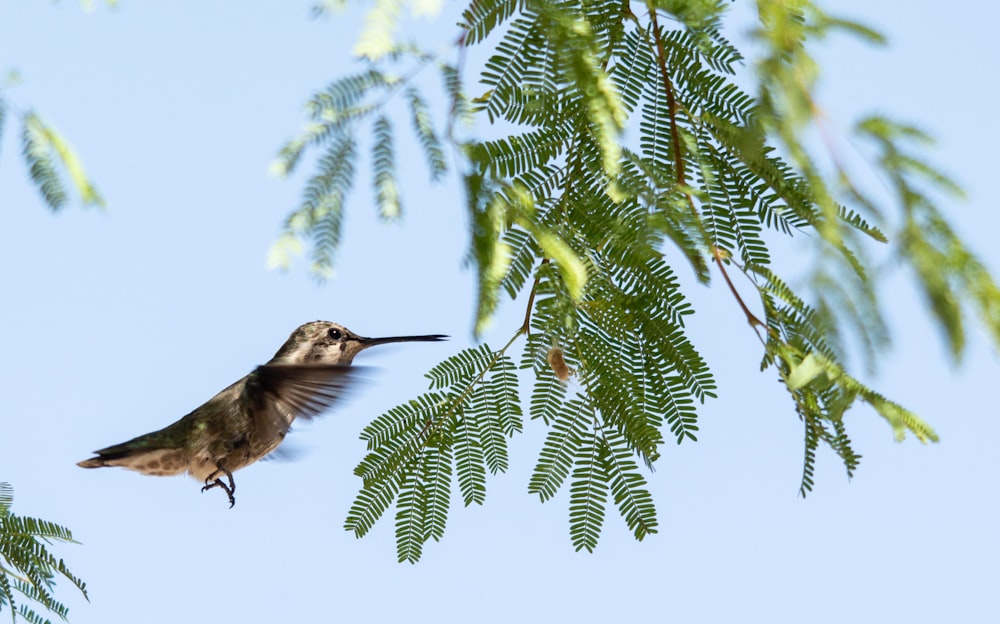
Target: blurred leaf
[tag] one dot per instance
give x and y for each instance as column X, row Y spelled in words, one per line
column 377, row 38
column 427, row 8
column 384, row 171
column 43, row 147
column 807, row 370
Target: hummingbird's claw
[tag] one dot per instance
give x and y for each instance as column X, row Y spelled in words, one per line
column 225, row 488
column 217, row 482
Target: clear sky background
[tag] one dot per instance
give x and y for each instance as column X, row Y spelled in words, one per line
column 117, row 323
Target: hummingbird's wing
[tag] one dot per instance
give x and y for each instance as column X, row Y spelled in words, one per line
column 277, row 394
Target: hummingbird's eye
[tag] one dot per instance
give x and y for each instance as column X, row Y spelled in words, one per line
column 334, row 333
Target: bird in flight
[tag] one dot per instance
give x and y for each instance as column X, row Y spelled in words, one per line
column 248, row 420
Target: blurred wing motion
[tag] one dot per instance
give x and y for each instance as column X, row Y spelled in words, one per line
column 280, row 393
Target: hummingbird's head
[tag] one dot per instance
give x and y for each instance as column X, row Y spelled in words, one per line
column 323, row 342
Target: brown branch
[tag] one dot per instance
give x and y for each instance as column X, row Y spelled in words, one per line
column 754, row 322
column 668, row 88
column 681, row 178
column 526, row 327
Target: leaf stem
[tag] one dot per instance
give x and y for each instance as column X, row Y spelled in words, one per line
column 526, row 326
column 754, row 322
column 668, row 88
column 681, row 178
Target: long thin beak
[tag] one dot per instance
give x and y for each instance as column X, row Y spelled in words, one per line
column 371, row 342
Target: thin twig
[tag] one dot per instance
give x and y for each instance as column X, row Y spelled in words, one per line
column 681, row 178
column 751, row 318
column 526, row 326
column 675, row 138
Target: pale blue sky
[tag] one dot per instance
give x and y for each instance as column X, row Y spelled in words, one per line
column 114, row 324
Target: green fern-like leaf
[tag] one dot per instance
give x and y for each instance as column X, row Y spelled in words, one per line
column 482, row 17
column 420, row 116
column 628, row 487
column 588, row 493
column 470, row 466
column 38, row 154
column 521, row 48
column 489, row 252
column 369, row 505
column 460, row 428
column 384, row 171
column 460, row 367
column 437, row 475
column 28, row 571
column 513, row 156
column 411, row 509
column 6, row 497
column 812, row 438
column 561, row 447
column 322, row 210
column 43, row 150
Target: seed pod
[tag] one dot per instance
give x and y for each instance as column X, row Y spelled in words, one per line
column 558, row 363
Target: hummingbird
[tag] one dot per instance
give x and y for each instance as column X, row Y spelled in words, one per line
column 248, row 420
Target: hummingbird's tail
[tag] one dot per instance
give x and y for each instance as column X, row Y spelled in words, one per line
column 93, row 462
column 155, row 462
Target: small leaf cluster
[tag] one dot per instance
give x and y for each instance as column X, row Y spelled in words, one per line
column 28, row 571
column 337, row 115
column 457, row 430
column 50, row 158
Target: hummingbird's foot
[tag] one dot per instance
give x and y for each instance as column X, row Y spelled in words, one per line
column 213, row 481
column 225, row 488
